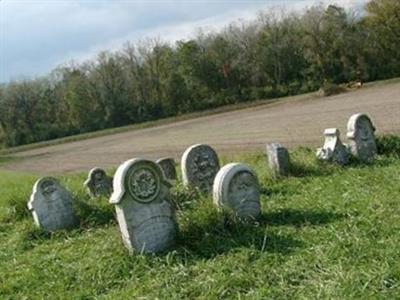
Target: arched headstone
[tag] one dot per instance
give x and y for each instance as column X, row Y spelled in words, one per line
column 51, row 205
column 167, row 165
column 145, row 214
column 236, row 189
column 98, row 183
column 278, row 159
column 199, row 165
column 333, row 149
column 361, row 135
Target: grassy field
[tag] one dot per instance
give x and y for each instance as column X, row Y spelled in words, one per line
column 326, row 232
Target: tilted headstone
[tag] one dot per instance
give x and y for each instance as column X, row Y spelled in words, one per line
column 199, row 165
column 361, row 135
column 333, row 149
column 98, row 183
column 51, row 205
column 278, row 159
column 168, row 167
column 145, row 214
column 236, row 189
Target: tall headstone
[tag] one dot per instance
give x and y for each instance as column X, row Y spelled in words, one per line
column 167, row 165
column 333, row 149
column 98, row 183
column 51, row 205
column 199, row 165
column 278, row 159
column 361, row 135
column 145, row 214
column 236, row 189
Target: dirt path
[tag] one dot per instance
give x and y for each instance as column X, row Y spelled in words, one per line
column 290, row 123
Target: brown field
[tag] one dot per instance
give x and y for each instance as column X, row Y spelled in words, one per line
column 294, row 121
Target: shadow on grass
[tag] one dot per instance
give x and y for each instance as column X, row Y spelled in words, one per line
column 90, row 216
column 299, row 218
column 302, row 170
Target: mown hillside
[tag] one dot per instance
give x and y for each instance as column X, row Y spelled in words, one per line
column 278, row 54
column 326, row 232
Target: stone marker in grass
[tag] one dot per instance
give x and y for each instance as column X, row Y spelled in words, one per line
column 145, row 214
column 361, row 135
column 199, row 165
column 167, row 165
column 51, row 205
column 236, row 190
column 333, row 149
column 278, row 159
column 98, row 183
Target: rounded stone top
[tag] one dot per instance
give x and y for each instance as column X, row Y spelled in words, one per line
column 92, row 174
column 224, row 177
column 42, row 186
column 354, row 122
column 142, row 179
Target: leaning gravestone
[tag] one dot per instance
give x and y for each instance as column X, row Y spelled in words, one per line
column 278, row 159
column 98, row 183
column 361, row 135
column 333, row 149
column 168, row 167
column 142, row 201
column 199, row 166
column 51, row 205
column 236, row 189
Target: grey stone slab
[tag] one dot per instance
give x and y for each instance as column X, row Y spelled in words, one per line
column 333, row 149
column 199, row 165
column 361, row 135
column 98, row 183
column 167, row 165
column 142, row 201
column 51, row 205
column 278, row 159
column 236, row 189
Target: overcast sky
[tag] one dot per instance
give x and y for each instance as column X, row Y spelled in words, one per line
column 38, row 35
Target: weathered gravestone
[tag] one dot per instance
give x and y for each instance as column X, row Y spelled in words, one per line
column 199, row 166
column 236, row 189
column 142, row 201
column 361, row 135
column 333, row 149
column 51, row 205
column 98, row 183
column 278, row 159
column 168, row 167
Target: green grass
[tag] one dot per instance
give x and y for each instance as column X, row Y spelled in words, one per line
column 326, row 232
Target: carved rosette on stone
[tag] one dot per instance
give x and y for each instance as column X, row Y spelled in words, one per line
column 361, row 135
column 333, row 149
column 167, row 165
column 98, row 183
column 278, row 159
column 51, row 205
column 199, row 165
column 236, row 190
column 142, row 201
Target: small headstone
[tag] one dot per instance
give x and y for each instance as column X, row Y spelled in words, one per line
column 361, row 135
column 199, row 165
column 51, row 205
column 333, row 149
column 98, row 183
column 168, row 167
column 145, row 214
column 278, row 159
column 236, row 189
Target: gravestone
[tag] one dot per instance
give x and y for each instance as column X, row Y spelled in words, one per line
column 168, row 167
column 361, row 135
column 236, row 189
column 145, row 214
column 51, row 205
column 98, row 183
column 333, row 149
column 199, row 166
column 278, row 159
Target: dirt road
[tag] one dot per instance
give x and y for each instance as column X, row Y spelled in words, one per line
column 290, row 123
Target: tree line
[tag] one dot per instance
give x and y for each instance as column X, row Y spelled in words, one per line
column 275, row 55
